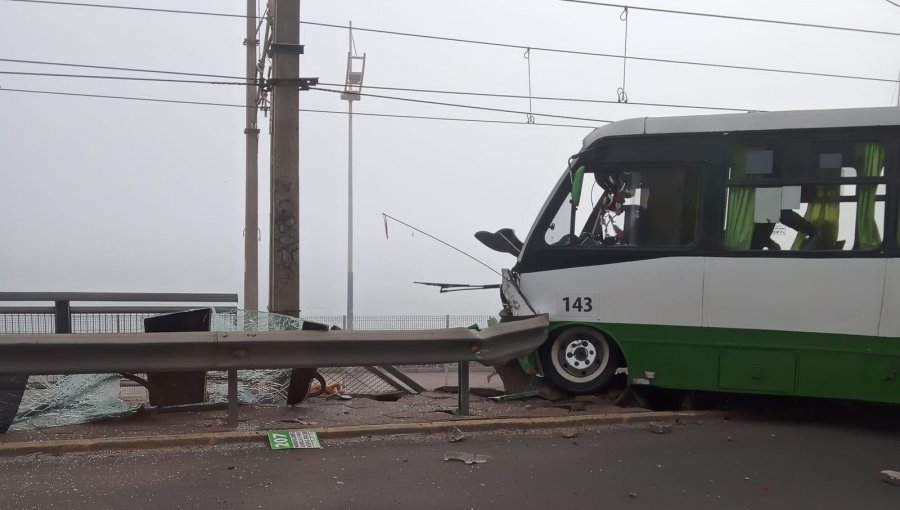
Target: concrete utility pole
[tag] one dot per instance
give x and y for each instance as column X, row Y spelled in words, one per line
column 251, row 209
column 251, row 199
column 284, row 259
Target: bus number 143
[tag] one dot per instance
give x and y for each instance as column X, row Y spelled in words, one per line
column 577, row 304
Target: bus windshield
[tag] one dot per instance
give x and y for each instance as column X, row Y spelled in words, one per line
column 628, row 207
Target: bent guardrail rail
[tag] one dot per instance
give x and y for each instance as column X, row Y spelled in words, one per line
column 147, row 352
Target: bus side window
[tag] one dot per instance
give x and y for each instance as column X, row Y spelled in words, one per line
column 821, row 214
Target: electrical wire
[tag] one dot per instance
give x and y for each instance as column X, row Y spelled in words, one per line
column 602, row 4
column 604, row 55
column 892, row 3
column 112, row 68
column 548, row 98
column 738, row 18
column 129, row 8
column 204, row 103
column 397, row 89
column 128, row 78
column 523, row 47
column 128, row 98
column 245, row 83
column 456, row 105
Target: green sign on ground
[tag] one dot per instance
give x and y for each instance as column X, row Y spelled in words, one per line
column 288, row 439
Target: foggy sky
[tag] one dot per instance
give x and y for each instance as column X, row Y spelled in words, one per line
column 121, row 196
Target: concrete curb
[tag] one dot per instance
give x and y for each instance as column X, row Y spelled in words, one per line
column 14, row 449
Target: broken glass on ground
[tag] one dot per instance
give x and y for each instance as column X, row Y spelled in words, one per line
column 468, row 458
column 456, row 435
column 70, row 400
column 54, row 401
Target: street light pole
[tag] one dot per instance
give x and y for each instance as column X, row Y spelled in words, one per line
column 350, row 215
column 352, row 87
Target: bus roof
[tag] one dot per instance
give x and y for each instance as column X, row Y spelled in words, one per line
column 753, row 121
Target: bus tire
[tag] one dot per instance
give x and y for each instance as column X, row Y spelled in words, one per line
column 580, row 360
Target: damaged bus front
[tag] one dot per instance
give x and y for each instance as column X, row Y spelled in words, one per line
column 752, row 253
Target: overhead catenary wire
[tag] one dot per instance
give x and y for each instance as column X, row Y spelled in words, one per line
column 549, row 98
column 737, row 18
column 397, row 89
column 129, row 78
column 248, row 82
column 131, row 8
column 605, row 55
column 556, row 50
column 602, row 4
column 307, row 110
column 457, row 105
column 115, row 68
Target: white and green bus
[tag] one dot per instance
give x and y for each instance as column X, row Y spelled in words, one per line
column 753, row 252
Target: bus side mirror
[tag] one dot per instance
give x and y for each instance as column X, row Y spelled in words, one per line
column 577, row 180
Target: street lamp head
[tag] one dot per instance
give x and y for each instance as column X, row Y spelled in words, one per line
column 356, row 68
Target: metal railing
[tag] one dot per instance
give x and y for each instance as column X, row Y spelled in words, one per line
column 241, row 350
column 84, row 321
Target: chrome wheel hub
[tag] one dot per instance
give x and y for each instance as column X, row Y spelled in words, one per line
column 579, row 355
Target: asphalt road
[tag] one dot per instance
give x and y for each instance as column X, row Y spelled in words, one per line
column 712, row 465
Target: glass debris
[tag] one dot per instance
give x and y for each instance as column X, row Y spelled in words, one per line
column 54, row 401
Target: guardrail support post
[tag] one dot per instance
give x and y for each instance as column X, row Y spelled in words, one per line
column 463, row 369
column 232, row 397
column 62, row 316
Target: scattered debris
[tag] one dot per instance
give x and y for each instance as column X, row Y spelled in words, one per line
column 571, row 406
column 891, row 477
column 659, row 428
column 456, row 435
column 730, row 439
column 230, row 468
column 332, row 388
column 572, row 434
column 632, row 495
column 290, row 439
column 301, row 422
column 517, row 396
column 480, row 392
column 468, row 458
column 51, row 401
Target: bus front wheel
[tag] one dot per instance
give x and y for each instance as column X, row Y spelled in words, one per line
column 579, row 360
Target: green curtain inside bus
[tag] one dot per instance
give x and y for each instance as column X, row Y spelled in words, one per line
column 824, row 212
column 739, row 214
column 870, row 162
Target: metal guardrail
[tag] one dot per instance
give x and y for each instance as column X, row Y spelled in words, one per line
column 147, row 352
column 41, row 352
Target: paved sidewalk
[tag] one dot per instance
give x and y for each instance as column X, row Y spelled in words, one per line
column 435, row 410
column 317, row 412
